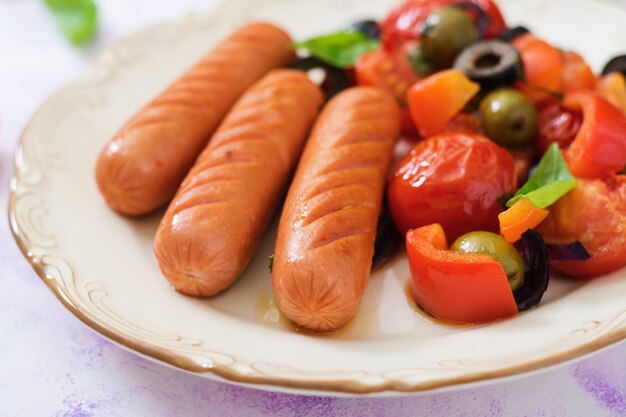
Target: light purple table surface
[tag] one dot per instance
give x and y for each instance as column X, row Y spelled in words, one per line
column 53, row 365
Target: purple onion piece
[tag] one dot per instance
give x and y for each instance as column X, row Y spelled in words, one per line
column 574, row 251
column 537, row 270
column 389, row 240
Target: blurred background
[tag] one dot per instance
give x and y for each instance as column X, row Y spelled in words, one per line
column 52, row 365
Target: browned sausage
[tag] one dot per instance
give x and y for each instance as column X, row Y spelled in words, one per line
column 326, row 233
column 213, row 225
column 143, row 165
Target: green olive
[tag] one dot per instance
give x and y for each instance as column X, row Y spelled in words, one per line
column 446, row 32
column 496, row 247
column 508, row 117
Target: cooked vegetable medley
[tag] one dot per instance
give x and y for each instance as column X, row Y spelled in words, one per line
column 519, row 153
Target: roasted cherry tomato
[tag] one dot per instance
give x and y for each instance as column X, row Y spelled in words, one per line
column 593, row 213
column 404, row 23
column 456, row 286
column 600, row 145
column 391, row 71
column 576, row 74
column 543, row 64
column 556, row 124
column 468, row 123
column 451, row 179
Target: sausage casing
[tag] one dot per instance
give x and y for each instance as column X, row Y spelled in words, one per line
column 215, row 221
column 140, row 169
column 325, row 241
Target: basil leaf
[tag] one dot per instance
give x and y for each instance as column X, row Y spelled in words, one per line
column 550, row 181
column 340, row 49
column 77, row 19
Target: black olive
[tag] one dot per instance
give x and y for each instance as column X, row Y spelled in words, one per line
column 335, row 79
column 617, row 64
column 492, row 64
column 510, row 34
column 482, row 19
column 369, row 28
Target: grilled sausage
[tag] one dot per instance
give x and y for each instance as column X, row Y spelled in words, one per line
column 326, row 233
column 140, row 169
column 213, row 225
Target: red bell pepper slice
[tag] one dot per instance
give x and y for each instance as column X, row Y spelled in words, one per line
column 456, row 286
column 599, row 148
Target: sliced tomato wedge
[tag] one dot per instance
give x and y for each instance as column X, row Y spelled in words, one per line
column 543, row 66
column 576, row 74
column 456, row 286
column 391, row 71
column 599, row 148
column 556, row 124
column 593, row 213
column 612, row 87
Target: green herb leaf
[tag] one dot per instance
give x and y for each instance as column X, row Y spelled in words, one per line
column 340, row 49
column 271, row 262
column 77, row 19
column 550, row 181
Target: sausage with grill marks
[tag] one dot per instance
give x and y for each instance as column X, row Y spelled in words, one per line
column 215, row 221
column 140, row 169
column 325, row 241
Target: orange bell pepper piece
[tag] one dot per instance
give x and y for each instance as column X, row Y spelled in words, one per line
column 456, row 286
column 522, row 216
column 435, row 100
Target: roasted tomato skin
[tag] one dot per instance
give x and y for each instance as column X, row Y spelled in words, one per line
column 453, row 179
column 599, row 148
column 543, row 63
column 576, row 74
column 404, row 23
column 594, row 213
column 392, row 72
column 556, row 124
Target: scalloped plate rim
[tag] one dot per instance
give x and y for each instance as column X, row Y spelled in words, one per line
column 226, row 372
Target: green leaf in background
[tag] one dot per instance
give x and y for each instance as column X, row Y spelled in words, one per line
column 550, row 181
column 77, row 19
column 340, row 49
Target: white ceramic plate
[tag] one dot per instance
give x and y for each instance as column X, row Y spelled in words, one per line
column 102, row 268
